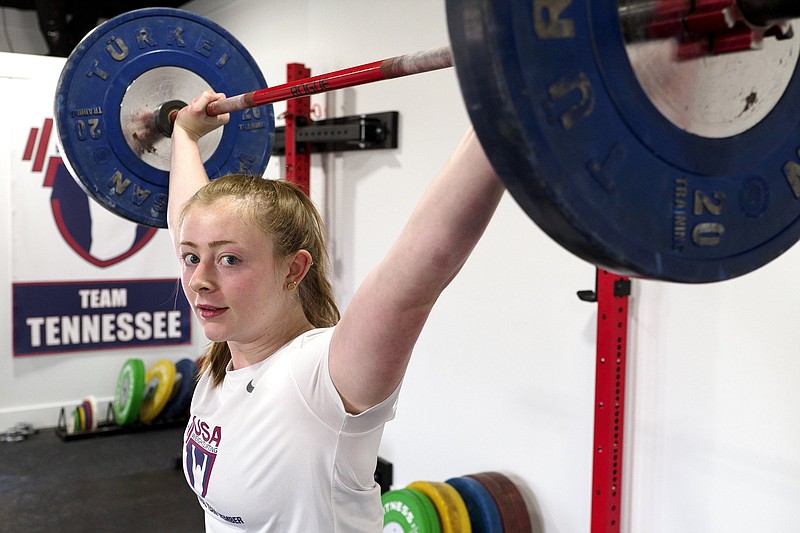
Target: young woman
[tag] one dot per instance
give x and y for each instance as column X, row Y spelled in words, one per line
column 288, row 415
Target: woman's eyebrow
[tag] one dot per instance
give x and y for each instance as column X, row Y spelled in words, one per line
column 212, row 244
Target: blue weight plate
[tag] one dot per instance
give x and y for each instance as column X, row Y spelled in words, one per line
column 483, row 514
column 181, row 399
column 114, row 81
column 592, row 158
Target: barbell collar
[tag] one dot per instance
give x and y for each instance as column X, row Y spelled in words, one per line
column 164, row 116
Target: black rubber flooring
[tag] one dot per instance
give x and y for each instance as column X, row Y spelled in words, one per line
column 118, row 483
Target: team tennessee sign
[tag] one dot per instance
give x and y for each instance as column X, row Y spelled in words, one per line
column 80, row 316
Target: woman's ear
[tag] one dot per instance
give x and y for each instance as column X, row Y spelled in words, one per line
column 299, row 265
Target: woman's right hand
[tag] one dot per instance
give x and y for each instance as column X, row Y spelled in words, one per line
column 194, row 120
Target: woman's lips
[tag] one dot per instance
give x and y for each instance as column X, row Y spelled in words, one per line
column 208, row 312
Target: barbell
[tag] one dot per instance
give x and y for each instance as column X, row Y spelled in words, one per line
column 654, row 138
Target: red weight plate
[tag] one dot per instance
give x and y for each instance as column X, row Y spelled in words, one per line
column 513, row 510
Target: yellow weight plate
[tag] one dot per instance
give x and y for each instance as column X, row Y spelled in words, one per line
column 81, row 418
column 158, row 383
column 451, row 508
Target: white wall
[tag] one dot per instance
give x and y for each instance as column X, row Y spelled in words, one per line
column 34, row 388
column 503, row 376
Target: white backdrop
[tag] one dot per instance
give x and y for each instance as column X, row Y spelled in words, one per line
column 503, row 376
column 33, row 388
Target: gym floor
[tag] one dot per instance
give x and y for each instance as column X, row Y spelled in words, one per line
column 129, row 482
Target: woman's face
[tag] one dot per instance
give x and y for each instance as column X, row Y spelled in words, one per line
column 230, row 274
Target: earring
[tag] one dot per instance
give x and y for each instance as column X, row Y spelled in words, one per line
column 292, row 285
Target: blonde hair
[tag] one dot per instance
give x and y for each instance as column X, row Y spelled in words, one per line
column 286, row 216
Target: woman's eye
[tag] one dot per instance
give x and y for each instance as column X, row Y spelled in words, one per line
column 190, row 259
column 229, row 260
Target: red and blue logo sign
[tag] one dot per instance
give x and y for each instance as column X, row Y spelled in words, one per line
column 70, row 204
column 66, row 316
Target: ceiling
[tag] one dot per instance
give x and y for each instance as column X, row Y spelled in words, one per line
column 64, row 22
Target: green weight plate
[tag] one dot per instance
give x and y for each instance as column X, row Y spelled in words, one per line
column 408, row 511
column 73, row 426
column 429, row 509
column 130, row 387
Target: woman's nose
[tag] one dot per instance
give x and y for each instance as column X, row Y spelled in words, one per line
column 201, row 279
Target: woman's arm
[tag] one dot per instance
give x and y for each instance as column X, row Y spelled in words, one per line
column 372, row 344
column 187, row 173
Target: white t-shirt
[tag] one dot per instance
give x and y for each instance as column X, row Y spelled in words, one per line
column 273, row 450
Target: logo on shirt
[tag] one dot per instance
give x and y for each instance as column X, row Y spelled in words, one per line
column 202, row 443
column 250, row 386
